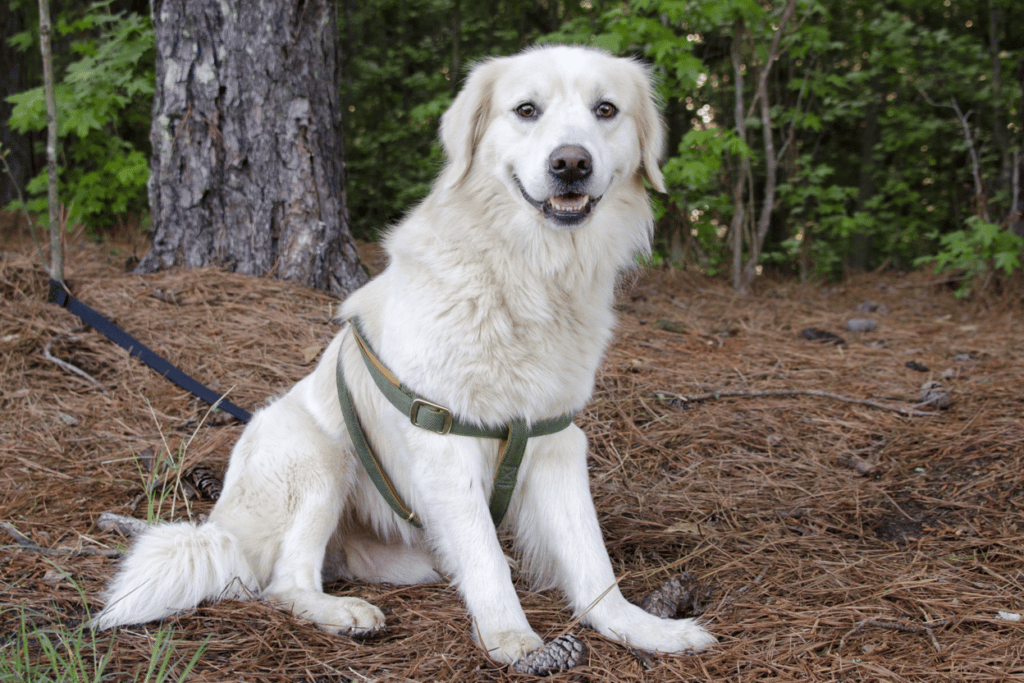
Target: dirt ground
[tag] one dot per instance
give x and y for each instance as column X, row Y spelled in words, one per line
column 836, row 533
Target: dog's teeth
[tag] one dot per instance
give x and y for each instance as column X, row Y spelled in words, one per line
column 570, row 205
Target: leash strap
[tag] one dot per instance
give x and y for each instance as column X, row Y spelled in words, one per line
column 438, row 419
column 62, row 297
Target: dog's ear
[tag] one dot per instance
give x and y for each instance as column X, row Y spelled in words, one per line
column 463, row 125
column 650, row 130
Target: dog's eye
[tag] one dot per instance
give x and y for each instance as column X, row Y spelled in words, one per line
column 527, row 110
column 606, row 110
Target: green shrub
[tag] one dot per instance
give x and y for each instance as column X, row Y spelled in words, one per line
column 980, row 251
column 104, row 102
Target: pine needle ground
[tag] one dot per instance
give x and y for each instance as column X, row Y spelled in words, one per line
column 835, row 541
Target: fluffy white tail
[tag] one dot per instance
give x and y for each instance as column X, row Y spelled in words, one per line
column 173, row 567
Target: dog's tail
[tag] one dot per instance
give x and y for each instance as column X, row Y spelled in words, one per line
column 173, row 567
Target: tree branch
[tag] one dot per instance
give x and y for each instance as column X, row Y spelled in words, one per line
column 979, row 190
column 26, row 543
column 682, row 399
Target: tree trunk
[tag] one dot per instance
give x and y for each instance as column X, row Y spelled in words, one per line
column 247, row 169
column 17, row 146
column 1000, row 135
column 52, row 196
column 739, row 209
column 771, row 160
column 860, row 247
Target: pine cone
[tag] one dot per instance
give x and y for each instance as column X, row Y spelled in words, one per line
column 680, row 594
column 562, row 653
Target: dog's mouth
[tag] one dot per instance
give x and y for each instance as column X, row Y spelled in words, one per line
column 567, row 210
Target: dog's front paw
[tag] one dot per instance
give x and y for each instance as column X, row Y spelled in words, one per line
column 349, row 617
column 636, row 628
column 509, row 646
column 683, row 635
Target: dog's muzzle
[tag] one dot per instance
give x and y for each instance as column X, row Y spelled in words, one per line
column 567, row 210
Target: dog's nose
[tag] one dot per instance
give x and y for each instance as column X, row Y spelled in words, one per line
column 570, row 163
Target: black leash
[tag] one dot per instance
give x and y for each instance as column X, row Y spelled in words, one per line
column 59, row 295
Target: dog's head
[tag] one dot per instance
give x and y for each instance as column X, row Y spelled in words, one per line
column 563, row 126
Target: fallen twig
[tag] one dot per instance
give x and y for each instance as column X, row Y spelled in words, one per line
column 25, row 542
column 69, row 367
column 681, row 400
column 124, row 525
column 897, row 626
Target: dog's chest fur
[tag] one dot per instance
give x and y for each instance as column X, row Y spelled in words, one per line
column 494, row 330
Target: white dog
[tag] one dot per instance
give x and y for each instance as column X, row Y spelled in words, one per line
column 496, row 308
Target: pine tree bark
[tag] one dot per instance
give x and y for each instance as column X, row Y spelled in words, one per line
column 247, row 169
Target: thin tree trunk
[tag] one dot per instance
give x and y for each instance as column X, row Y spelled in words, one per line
column 456, row 73
column 247, row 167
column 1018, row 209
column 739, row 208
column 860, row 250
column 53, row 199
column 979, row 186
column 771, row 161
column 999, row 132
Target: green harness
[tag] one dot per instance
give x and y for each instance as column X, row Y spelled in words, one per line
column 438, row 419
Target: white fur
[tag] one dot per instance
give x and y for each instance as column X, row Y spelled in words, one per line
column 487, row 307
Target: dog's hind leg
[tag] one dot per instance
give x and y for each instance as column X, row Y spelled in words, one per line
column 284, row 500
column 297, row 582
column 557, row 530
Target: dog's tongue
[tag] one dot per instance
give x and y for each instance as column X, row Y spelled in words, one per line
column 569, row 203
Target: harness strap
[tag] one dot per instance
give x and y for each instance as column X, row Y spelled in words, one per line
column 366, row 456
column 440, row 420
column 510, row 456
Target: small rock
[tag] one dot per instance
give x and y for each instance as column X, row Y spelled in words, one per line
column 934, row 394
column 824, row 336
column 861, row 325
column 671, row 326
column 872, row 307
column 860, row 466
column 916, row 367
column 562, row 653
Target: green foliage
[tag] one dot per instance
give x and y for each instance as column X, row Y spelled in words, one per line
column 698, row 160
column 980, row 251
column 875, row 171
column 821, row 211
column 40, row 651
column 103, row 109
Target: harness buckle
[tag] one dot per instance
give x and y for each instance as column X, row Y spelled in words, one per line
column 420, row 403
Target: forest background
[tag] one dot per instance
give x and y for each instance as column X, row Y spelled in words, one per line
column 807, row 138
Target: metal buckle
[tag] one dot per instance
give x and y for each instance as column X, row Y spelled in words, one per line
column 420, row 403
